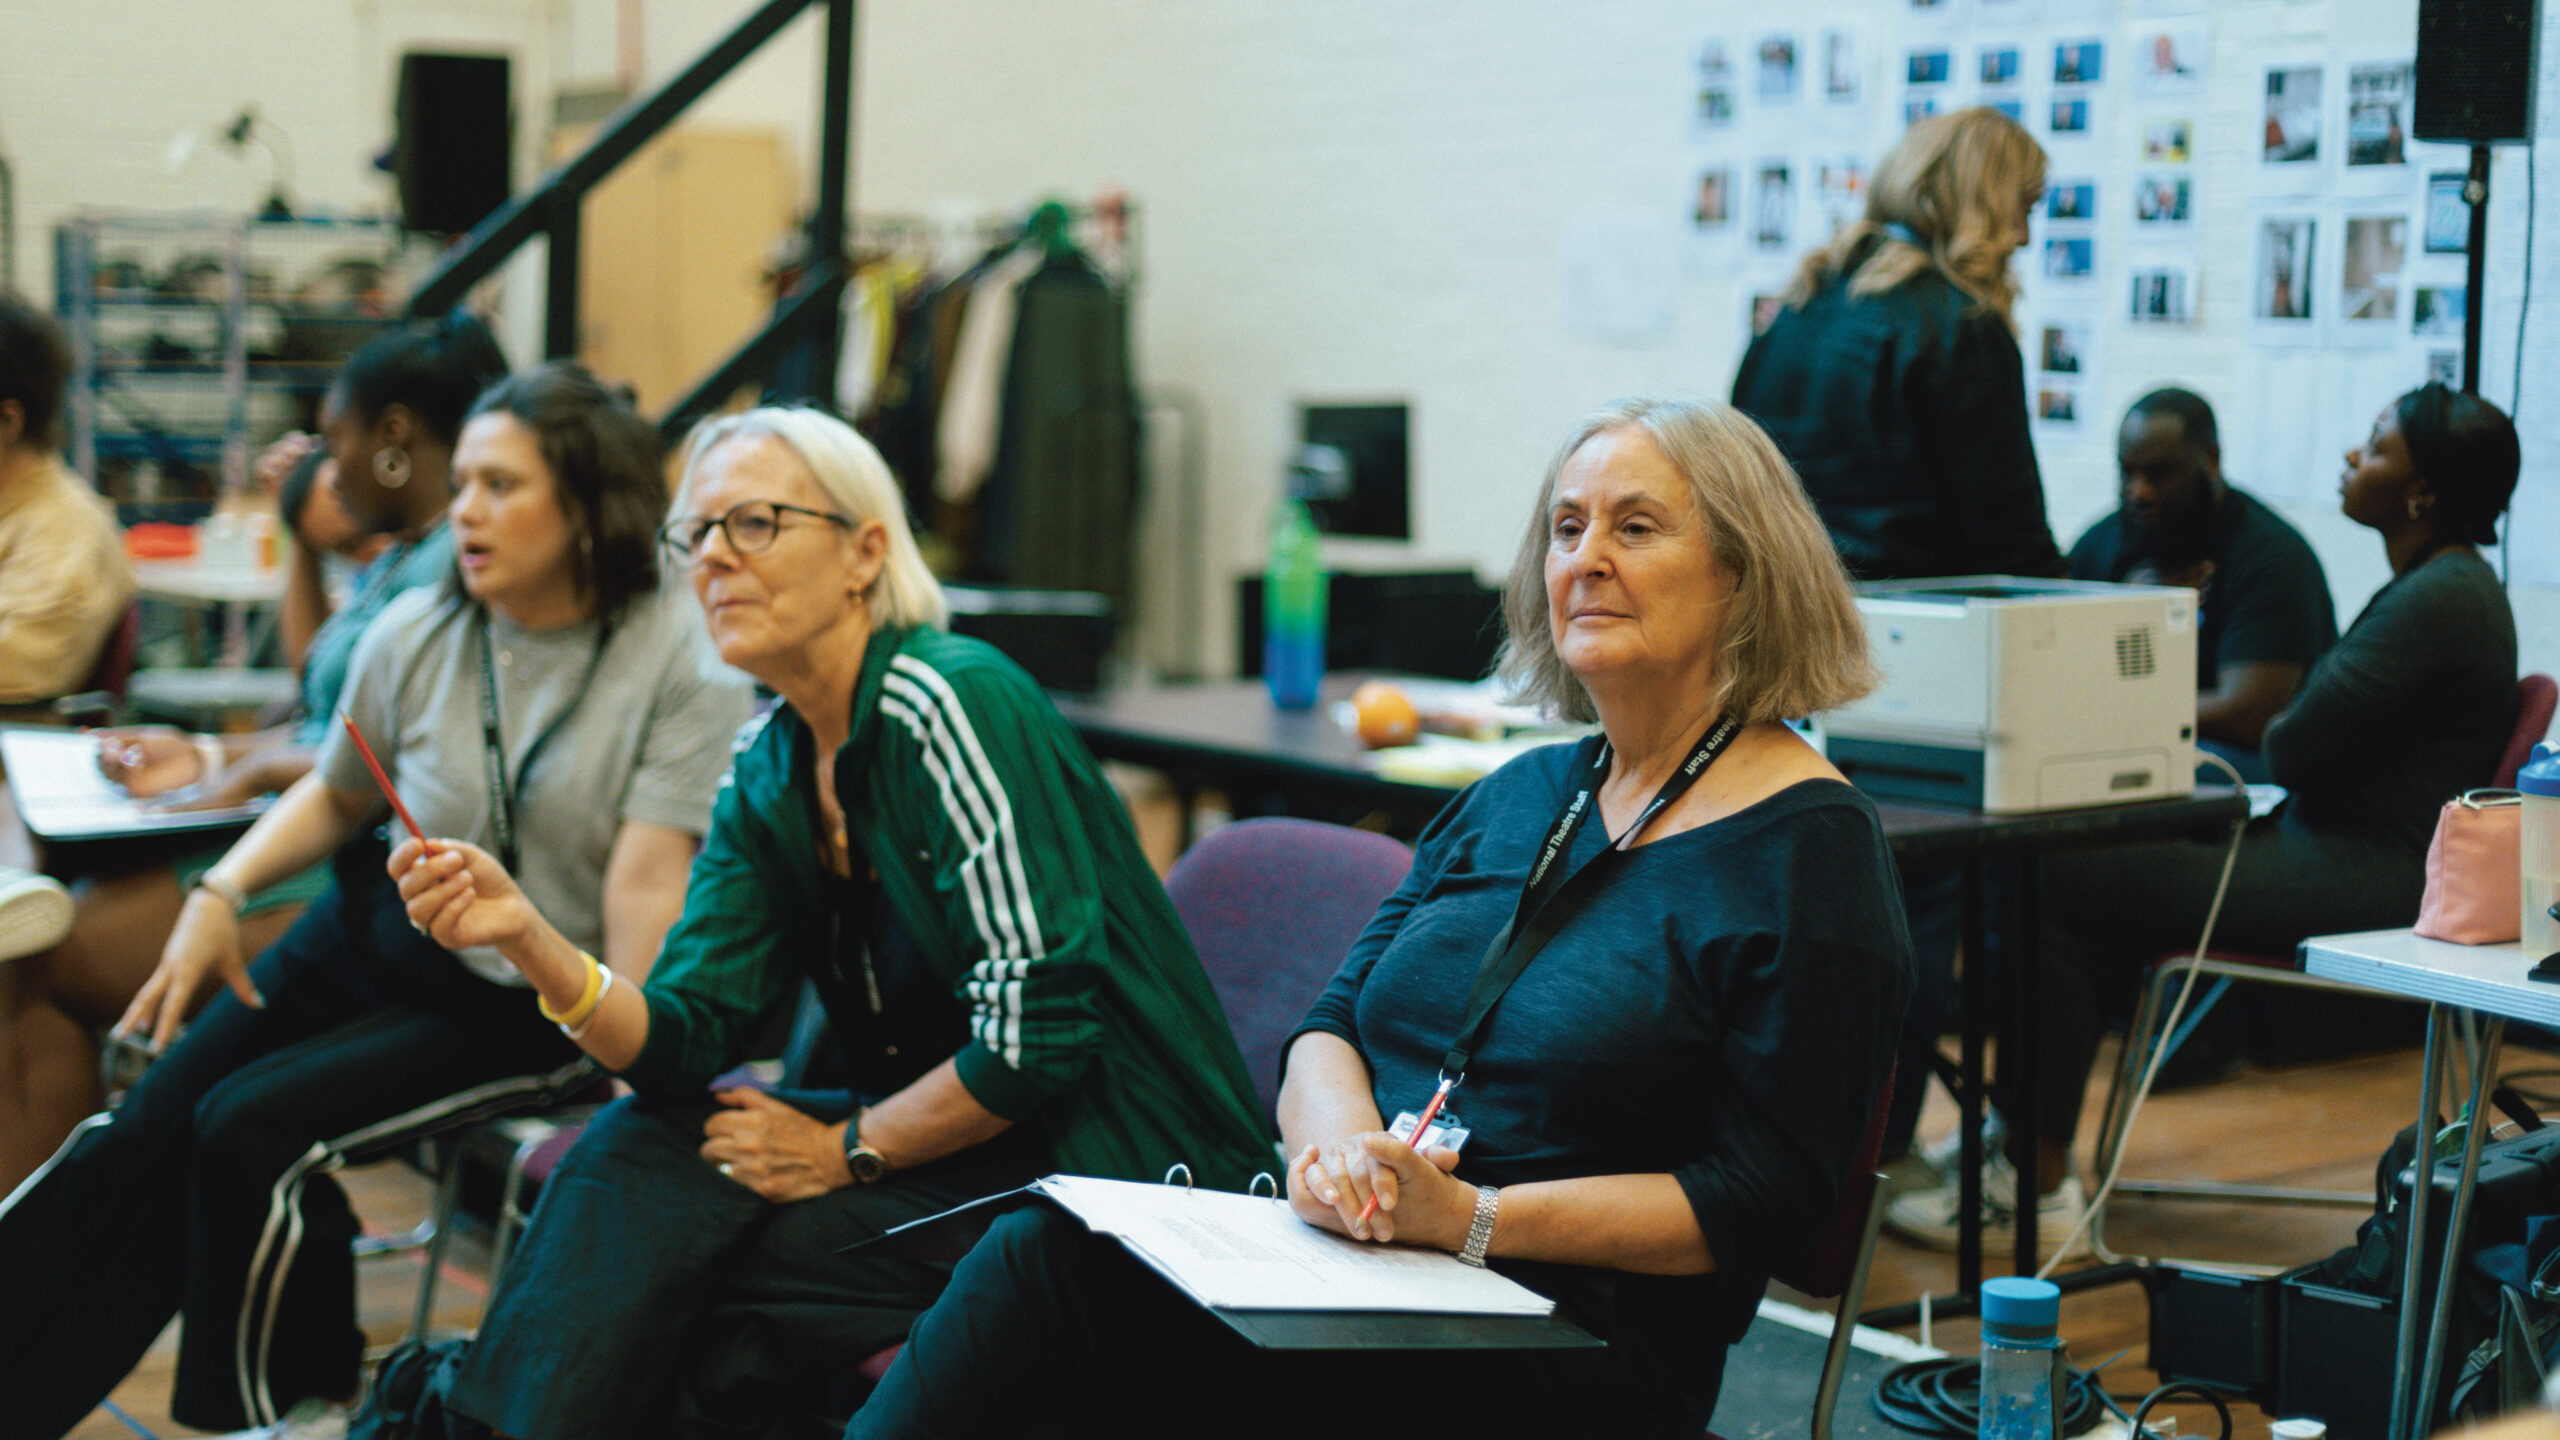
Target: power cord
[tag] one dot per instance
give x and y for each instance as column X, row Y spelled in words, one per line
column 1944, row 1397
column 2168, row 1026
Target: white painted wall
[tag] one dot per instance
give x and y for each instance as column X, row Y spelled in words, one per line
column 1341, row 199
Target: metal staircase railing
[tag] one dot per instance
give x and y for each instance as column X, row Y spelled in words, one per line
column 811, row 315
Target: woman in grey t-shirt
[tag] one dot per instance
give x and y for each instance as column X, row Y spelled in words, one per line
column 552, row 701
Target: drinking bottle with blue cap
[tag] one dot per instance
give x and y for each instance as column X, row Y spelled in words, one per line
column 2538, row 851
column 2021, row 1359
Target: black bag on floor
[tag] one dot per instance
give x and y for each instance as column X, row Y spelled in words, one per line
column 407, row 1398
column 2504, row 1326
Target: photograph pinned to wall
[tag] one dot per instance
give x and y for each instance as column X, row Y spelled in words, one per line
column 1999, row 67
column 2163, row 292
column 1777, row 85
column 1773, row 205
column 1931, row 65
column 2289, row 150
column 2281, row 309
column 2071, row 259
column 1761, row 311
column 1933, row 12
column 2437, row 311
column 2164, row 199
column 2079, row 62
column 2072, row 199
column 2069, row 118
column 2374, row 252
column 1716, row 103
column 2013, row 106
column 2058, row 406
column 2377, row 140
column 2168, row 142
column 2448, row 223
column 1919, row 105
column 2062, row 348
column 1711, row 201
column 2444, row 367
column 1843, row 67
column 2170, row 59
column 1840, row 192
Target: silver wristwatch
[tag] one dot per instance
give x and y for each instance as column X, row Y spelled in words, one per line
column 1480, row 1234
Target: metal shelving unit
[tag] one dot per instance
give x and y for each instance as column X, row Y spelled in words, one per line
column 197, row 338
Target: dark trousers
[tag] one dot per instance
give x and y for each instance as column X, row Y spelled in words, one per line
column 654, row 1296
column 1051, row 1330
column 2108, row 914
column 207, row 1191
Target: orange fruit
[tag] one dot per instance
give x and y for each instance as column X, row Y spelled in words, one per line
column 1384, row 715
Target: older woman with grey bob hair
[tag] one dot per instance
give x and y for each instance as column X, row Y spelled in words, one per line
column 915, row 832
column 1696, row 949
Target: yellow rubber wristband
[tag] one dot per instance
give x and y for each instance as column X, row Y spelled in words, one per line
column 587, row 997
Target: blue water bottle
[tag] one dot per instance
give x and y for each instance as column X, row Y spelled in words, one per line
column 1293, row 608
column 2021, row 1358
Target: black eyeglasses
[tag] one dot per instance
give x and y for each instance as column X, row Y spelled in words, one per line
column 750, row 527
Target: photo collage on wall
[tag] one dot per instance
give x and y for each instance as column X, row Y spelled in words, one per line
column 2356, row 239
column 2332, row 226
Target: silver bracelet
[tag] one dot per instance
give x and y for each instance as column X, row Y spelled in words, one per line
column 1480, row 1234
column 222, row 890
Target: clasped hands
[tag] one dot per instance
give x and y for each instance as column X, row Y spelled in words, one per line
column 1419, row 1202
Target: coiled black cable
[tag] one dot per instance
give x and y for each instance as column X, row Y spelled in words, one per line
column 1944, row 1397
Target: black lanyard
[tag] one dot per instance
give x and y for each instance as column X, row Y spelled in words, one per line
column 1540, row 913
column 502, row 795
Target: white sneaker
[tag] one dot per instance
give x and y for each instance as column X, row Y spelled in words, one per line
column 309, row 1420
column 1946, row 1153
column 35, row 913
column 1931, row 1217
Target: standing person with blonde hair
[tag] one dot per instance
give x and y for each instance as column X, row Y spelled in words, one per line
column 1893, row 382
column 1892, row 378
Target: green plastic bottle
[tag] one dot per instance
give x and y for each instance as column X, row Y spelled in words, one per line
column 1293, row 608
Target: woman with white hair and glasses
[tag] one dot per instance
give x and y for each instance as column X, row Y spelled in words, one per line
column 1664, row 1096
column 916, row 831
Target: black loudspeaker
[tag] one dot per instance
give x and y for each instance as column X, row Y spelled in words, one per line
column 455, row 136
column 2475, row 70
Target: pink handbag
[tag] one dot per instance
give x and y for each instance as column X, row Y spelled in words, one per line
column 2474, row 884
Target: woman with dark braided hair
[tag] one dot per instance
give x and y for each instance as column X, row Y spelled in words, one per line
column 2412, row 706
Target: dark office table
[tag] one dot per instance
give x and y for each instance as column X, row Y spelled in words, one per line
column 1227, row 735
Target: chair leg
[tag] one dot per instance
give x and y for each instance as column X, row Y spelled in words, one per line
column 1844, row 1316
column 448, row 1203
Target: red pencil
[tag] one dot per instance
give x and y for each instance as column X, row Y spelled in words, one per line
column 385, row 782
column 1421, row 1128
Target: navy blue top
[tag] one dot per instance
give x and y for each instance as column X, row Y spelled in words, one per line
column 1723, row 1009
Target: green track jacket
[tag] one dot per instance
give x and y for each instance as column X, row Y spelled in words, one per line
column 1014, row 866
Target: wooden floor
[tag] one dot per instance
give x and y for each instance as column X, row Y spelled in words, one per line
column 2318, row 1126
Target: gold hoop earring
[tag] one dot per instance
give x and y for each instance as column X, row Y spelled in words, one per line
column 391, row 467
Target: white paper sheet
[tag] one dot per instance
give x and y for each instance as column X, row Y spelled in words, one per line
column 54, row 777
column 1240, row 1252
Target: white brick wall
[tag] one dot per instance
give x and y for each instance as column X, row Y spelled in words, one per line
column 1343, row 199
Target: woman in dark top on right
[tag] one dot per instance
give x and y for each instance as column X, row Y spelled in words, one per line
column 2412, row 706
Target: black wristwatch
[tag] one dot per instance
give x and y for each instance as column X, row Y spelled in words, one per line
column 867, row 1164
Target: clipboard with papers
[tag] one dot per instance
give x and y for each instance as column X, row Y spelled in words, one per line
column 60, row 794
column 1285, row 1285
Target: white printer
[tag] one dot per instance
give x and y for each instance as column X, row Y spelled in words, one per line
column 2012, row 695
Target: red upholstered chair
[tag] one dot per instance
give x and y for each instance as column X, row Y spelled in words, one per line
column 99, row 696
column 2536, row 696
column 1272, row 906
column 1836, row 1265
